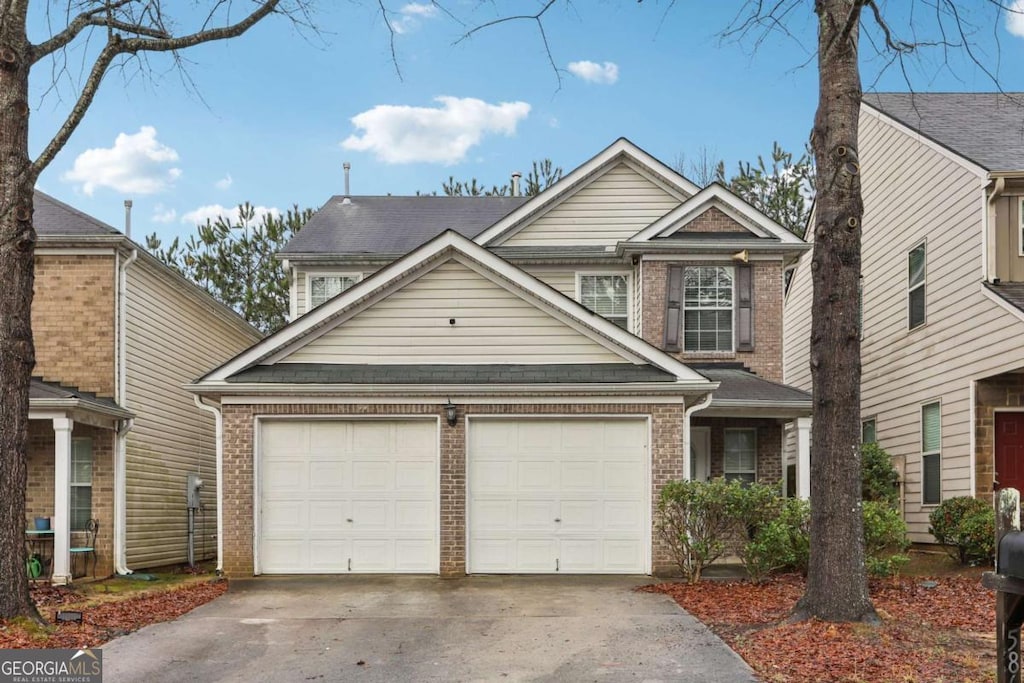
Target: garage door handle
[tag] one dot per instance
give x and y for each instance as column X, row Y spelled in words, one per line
column 558, row 519
column 349, row 519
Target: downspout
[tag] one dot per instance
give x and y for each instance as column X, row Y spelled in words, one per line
column 686, row 432
column 120, row 458
column 987, row 242
column 218, row 418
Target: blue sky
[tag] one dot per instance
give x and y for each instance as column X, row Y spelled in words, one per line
column 273, row 114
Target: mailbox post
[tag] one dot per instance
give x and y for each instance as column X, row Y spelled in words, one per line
column 1008, row 582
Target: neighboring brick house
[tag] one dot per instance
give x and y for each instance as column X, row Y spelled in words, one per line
column 943, row 294
column 489, row 385
column 112, row 433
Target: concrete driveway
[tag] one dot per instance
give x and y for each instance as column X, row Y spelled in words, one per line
column 564, row 628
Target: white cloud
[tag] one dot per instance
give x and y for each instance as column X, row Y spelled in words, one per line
column 410, row 15
column 225, row 182
column 1015, row 18
column 399, row 134
column 592, row 72
column 136, row 164
column 211, row 212
column 162, row 214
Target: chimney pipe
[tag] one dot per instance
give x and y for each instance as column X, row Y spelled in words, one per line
column 516, row 175
column 348, row 167
column 128, row 218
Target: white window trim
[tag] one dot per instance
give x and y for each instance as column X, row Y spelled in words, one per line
column 863, row 422
column 923, row 284
column 726, row 473
column 733, row 308
column 920, row 418
column 73, row 484
column 1020, row 226
column 580, row 274
column 325, row 273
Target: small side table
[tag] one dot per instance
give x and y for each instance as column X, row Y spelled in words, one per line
column 37, row 543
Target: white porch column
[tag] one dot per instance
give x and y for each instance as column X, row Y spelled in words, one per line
column 803, row 457
column 62, row 427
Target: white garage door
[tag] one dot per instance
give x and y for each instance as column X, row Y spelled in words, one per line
column 342, row 496
column 558, row 495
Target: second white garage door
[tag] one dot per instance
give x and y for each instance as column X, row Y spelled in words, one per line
column 566, row 495
column 339, row 496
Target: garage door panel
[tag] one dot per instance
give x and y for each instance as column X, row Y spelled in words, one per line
column 581, row 515
column 381, row 475
column 493, row 554
column 619, row 555
column 624, row 434
column 537, row 475
column 537, row 436
column 623, row 515
column 492, row 515
column 536, row 555
column 580, row 555
column 492, row 477
column 580, row 437
column 535, row 514
column 624, row 477
column 581, row 475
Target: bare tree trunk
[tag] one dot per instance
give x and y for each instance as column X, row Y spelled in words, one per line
column 17, row 355
column 837, row 580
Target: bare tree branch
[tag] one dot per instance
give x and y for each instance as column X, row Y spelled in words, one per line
column 391, row 38
column 538, row 18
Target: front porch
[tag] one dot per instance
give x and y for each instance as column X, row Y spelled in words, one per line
column 71, row 473
column 999, row 433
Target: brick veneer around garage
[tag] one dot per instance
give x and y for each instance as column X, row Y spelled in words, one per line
column 239, row 421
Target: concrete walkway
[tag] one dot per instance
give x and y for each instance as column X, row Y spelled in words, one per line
column 563, row 628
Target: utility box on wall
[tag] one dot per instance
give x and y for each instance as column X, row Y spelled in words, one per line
column 195, row 487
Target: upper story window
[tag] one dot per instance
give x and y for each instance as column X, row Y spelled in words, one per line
column 607, row 295
column 708, row 308
column 324, row 287
column 916, row 281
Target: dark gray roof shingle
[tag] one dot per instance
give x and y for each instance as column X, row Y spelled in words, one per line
column 1011, row 292
column 43, row 390
column 395, row 225
column 320, row 373
column 987, row 128
column 741, row 385
column 57, row 219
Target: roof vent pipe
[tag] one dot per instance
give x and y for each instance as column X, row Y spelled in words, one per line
column 516, row 175
column 348, row 167
column 128, row 218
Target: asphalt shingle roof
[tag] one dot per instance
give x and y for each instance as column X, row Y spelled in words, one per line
column 395, row 225
column 40, row 389
column 987, row 128
column 318, row 373
column 55, row 218
column 1011, row 292
column 741, row 385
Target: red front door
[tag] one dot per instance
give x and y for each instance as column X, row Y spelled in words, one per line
column 1009, row 451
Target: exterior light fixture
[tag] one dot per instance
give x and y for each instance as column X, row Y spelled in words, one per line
column 449, row 413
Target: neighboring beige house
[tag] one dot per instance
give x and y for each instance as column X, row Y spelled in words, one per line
column 943, row 294
column 503, row 385
column 113, row 435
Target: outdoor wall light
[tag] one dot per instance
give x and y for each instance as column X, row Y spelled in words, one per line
column 449, row 413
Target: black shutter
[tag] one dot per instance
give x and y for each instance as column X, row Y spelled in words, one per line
column 673, row 307
column 744, row 308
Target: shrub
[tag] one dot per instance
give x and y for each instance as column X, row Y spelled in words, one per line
column 966, row 526
column 885, row 539
column 879, row 479
column 780, row 544
column 697, row 520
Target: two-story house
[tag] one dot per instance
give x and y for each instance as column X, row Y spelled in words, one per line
column 942, row 294
column 113, row 434
column 504, row 385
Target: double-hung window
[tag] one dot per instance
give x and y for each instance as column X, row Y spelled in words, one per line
column 81, row 483
column 324, row 287
column 916, row 281
column 740, row 455
column 708, row 308
column 868, row 432
column 931, row 454
column 607, row 295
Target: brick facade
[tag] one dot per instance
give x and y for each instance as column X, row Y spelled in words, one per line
column 769, row 444
column 239, row 420
column 713, row 220
column 1002, row 391
column 766, row 358
column 73, row 321
column 39, row 493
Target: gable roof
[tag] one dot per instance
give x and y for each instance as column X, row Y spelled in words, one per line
column 393, row 225
column 717, row 195
column 442, row 248
column 984, row 128
column 54, row 218
column 619, row 151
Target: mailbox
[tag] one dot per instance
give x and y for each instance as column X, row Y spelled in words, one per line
column 1011, row 554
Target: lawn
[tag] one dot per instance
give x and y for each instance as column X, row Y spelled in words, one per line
column 938, row 624
column 110, row 608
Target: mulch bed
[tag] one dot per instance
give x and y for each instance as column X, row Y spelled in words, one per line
column 103, row 620
column 943, row 633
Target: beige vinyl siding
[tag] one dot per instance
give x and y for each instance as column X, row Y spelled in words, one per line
column 613, row 207
column 558, row 278
column 172, row 338
column 912, row 193
column 796, row 327
column 492, row 325
column 302, row 277
column 1009, row 262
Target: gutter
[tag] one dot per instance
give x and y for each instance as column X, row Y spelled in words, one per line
column 121, row 447
column 218, row 417
column 645, row 388
column 686, row 432
column 988, row 226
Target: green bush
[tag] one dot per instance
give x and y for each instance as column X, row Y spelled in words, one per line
column 697, row 520
column 966, row 526
column 781, row 544
column 879, row 479
column 885, row 539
